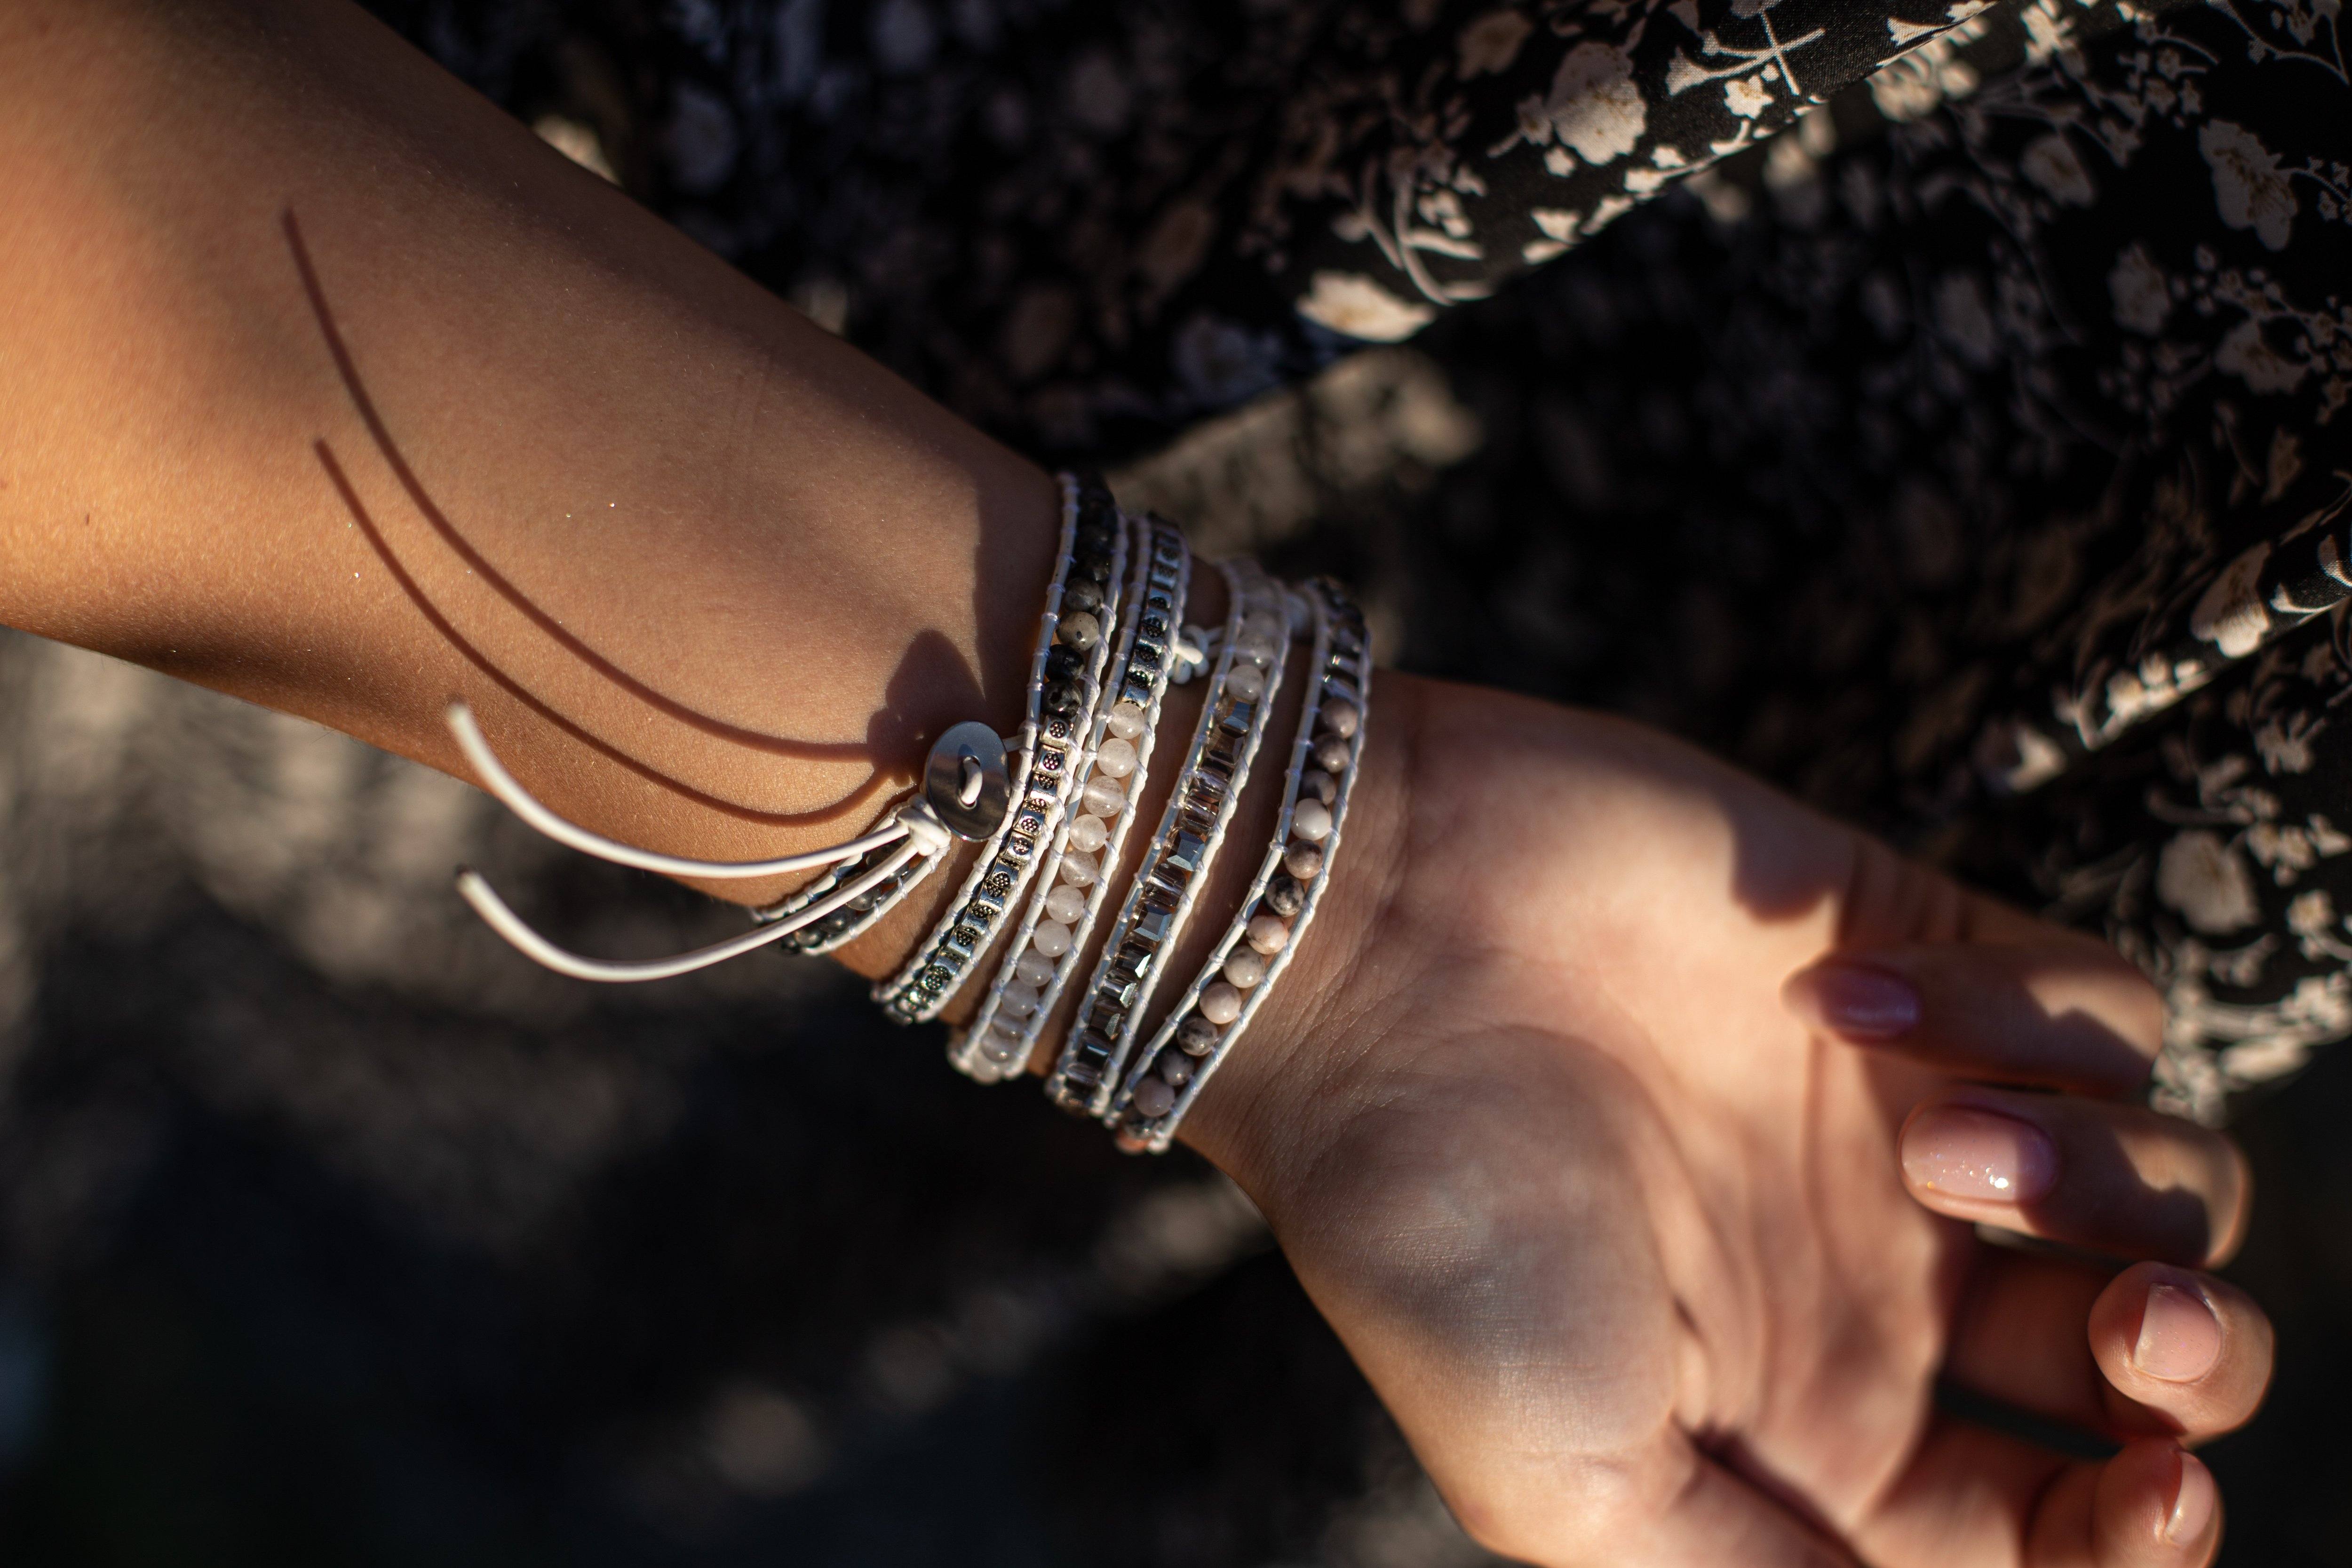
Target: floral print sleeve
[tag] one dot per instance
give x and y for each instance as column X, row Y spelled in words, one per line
column 1503, row 136
column 1087, row 225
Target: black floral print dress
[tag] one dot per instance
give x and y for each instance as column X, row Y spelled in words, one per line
column 1938, row 408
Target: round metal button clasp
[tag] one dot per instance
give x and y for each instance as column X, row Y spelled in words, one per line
column 965, row 782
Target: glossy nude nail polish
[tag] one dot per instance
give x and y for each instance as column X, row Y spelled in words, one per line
column 2193, row 1502
column 2180, row 1337
column 1964, row 1151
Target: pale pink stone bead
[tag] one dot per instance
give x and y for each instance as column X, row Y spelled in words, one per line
column 1051, row 938
column 1256, row 650
column 1319, row 784
column 1340, row 718
column 1116, row 760
column 1303, row 861
column 1245, row 967
column 1034, row 969
column 1081, row 870
column 1065, row 904
column 1176, row 1068
column 1017, row 1001
column 1246, row 682
column 1088, row 834
column 1125, row 722
column 1311, row 820
column 1153, row 1100
column 1266, row 625
column 1267, row 933
column 999, row 1047
column 1104, row 797
column 1220, row 1004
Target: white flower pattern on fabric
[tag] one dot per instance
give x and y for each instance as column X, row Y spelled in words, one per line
column 2248, row 186
column 2200, row 875
column 1593, row 106
column 1356, row 307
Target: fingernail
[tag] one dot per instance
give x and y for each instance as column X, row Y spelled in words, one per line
column 2193, row 1503
column 2179, row 1337
column 1868, row 1002
column 1965, row 1152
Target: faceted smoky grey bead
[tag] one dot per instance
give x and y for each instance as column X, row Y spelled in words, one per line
column 1284, row 896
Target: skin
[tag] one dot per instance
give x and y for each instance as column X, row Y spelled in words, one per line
column 323, row 383
column 1620, row 1222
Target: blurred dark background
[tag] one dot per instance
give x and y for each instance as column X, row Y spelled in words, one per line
column 330, row 1232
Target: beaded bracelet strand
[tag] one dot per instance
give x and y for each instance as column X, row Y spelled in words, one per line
column 1112, row 770
column 1065, row 685
column 855, row 917
column 1191, row 828
column 1202, row 1030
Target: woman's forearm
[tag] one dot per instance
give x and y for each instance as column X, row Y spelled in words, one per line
column 325, row 383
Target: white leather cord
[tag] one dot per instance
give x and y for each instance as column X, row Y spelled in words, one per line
column 519, row 800
column 915, row 827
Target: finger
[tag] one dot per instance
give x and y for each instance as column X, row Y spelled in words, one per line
column 2111, row 1178
column 2190, row 1351
column 1974, row 1495
column 2017, row 1336
column 2151, row 1506
column 2152, row 1351
column 2066, row 1011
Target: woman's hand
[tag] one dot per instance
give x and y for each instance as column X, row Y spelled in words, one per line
column 1631, row 1136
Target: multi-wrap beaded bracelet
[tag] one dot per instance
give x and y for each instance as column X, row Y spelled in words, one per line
column 1056, row 808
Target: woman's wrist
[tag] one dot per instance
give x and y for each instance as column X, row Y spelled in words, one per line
column 1279, row 1099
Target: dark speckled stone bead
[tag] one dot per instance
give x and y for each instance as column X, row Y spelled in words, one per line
column 1062, row 697
column 1284, row 896
column 1082, row 595
column 1064, row 663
